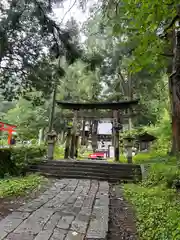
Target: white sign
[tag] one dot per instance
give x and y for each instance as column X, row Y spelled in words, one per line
column 111, row 152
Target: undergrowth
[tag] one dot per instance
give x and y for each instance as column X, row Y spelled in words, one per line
column 156, row 199
column 19, row 186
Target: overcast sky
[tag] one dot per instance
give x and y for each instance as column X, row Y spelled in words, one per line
column 71, row 9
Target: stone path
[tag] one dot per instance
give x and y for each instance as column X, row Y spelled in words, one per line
column 70, row 210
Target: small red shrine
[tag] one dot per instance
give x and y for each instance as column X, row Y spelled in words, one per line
column 8, row 128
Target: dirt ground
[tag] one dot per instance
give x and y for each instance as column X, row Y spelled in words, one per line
column 121, row 217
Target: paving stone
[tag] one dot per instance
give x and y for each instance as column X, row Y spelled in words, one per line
column 86, row 211
column 44, row 235
column 58, row 201
column 97, row 229
column 65, row 222
column 78, row 203
column 58, row 234
column 75, row 210
column 30, row 207
column 83, row 217
column 51, row 224
column 79, row 226
column 74, row 236
column 9, row 224
column 98, row 212
column 35, row 222
column 88, row 202
column 20, row 236
column 20, row 215
column 98, row 226
column 62, row 213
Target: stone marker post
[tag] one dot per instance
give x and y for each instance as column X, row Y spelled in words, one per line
column 128, row 143
column 52, row 137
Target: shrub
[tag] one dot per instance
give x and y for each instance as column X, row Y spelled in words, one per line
column 160, row 173
column 13, row 160
column 7, row 165
column 149, row 157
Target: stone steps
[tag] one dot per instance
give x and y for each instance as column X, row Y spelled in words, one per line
column 99, row 170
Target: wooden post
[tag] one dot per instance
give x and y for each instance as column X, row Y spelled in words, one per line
column 68, row 140
column 83, row 132
column 116, row 130
column 94, row 135
column 113, row 134
column 76, row 146
column 73, row 136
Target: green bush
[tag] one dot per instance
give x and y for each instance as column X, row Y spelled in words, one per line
column 150, row 157
column 13, row 160
column 160, row 173
column 7, row 165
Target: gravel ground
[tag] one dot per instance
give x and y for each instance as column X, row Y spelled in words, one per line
column 121, row 217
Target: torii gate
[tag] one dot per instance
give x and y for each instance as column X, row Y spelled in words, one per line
column 8, row 128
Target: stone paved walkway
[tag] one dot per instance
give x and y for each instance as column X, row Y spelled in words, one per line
column 72, row 210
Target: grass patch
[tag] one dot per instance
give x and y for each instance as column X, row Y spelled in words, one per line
column 20, row 186
column 156, row 200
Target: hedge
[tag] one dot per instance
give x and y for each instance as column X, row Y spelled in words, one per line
column 13, row 160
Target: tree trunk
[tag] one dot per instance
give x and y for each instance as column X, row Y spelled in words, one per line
column 130, row 97
column 67, row 146
column 175, row 81
column 173, row 139
column 171, row 37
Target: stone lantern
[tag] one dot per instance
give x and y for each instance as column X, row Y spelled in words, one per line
column 51, row 140
column 128, row 143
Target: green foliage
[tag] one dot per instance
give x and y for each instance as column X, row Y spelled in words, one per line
column 58, row 152
column 7, row 165
column 163, row 132
column 117, row 43
column 21, row 185
column 28, row 153
column 13, row 160
column 28, row 118
column 142, row 22
column 155, row 199
column 150, row 157
column 160, row 173
column 31, row 63
column 157, row 211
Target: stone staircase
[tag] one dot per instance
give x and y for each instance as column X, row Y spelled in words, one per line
column 89, row 169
